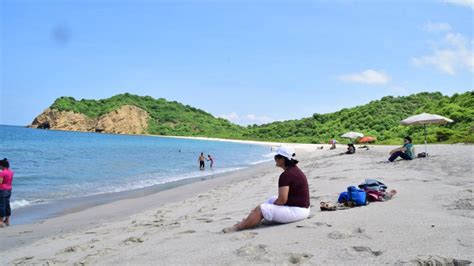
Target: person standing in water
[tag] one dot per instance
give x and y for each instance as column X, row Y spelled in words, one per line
column 210, row 159
column 202, row 160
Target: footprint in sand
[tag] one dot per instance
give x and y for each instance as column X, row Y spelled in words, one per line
column 53, row 261
column 98, row 253
column 339, row 235
column 368, row 250
column 70, row 249
column 358, row 232
column 244, row 236
column 462, row 243
column 299, row 258
column 254, row 253
column 23, row 260
column 132, row 240
column 322, row 224
column 187, row 232
column 437, row 260
column 205, row 220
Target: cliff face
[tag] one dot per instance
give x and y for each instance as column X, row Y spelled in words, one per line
column 128, row 119
column 60, row 120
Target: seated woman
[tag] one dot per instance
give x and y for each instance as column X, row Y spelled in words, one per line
column 292, row 202
column 351, row 149
column 406, row 152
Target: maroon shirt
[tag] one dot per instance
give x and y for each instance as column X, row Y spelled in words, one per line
column 298, row 196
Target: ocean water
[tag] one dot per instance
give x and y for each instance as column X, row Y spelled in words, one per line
column 57, row 165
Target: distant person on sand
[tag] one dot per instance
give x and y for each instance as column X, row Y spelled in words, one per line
column 333, row 142
column 292, row 202
column 406, row 152
column 202, row 160
column 210, row 159
column 6, row 178
column 351, row 149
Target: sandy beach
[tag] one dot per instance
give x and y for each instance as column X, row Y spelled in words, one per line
column 429, row 220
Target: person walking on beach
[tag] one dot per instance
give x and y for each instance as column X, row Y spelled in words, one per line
column 406, row 152
column 202, row 160
column 292, row 202
column 6, row 178
column 209, row 158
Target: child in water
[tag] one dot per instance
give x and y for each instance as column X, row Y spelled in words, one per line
column 210, row 159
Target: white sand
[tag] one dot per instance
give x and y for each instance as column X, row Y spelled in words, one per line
column 431, row 218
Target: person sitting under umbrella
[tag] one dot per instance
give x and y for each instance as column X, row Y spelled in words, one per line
column 406, row 152
column 351, row 149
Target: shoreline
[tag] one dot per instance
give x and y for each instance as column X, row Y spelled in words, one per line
column 431, row 226
column 113, row 206
column 256, row 142
column 55, row 208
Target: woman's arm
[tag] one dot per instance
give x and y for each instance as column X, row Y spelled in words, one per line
column 282, row 195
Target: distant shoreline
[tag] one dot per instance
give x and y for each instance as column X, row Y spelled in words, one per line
column 257, row 142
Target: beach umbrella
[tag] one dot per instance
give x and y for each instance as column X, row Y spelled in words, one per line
column 367, row 139
column 352, row 135
column 425, row 119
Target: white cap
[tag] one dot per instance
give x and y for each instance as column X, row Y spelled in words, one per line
column 285, row 152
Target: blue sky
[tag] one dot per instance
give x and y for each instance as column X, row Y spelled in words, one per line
column 248, row 61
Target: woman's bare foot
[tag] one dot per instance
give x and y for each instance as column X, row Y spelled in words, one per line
column 231, row 229
column 389, row 195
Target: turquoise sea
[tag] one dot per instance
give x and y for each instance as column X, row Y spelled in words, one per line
column 60, row 166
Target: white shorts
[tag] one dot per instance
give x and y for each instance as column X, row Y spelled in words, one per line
column 282, row 214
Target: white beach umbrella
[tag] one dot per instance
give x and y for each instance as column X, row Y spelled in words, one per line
column 352, row 135
column 425, row 119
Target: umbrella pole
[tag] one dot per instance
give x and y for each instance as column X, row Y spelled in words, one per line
column 426, row 152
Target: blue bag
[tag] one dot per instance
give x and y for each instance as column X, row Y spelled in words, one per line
column 355, row 195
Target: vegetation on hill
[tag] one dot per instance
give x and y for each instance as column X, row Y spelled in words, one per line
column 379, row 118
column 166, row 118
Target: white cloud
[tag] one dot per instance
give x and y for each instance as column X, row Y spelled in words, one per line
column 368, row 76
column 436, row 27
column 249, row 119
column 465, row 3
column 456, row 53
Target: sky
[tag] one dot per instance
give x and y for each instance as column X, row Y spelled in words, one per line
column 251, row 62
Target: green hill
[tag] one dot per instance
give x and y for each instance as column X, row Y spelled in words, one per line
column 166, row 118
column 379, row 118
